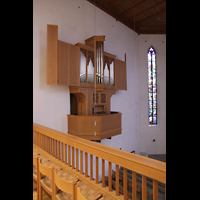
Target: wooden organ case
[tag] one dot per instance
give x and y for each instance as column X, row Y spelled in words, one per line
column 93, row 76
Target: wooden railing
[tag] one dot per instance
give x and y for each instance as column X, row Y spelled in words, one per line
column 69, row 149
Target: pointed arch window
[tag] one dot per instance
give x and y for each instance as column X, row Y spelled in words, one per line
column 152, row 86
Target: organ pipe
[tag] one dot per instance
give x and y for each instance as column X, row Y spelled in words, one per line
column 99, row 70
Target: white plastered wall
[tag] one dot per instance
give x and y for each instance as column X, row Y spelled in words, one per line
column 158, row 132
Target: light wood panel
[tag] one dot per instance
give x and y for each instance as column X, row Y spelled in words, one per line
column 63, row 60
column 63, row 66
column 120, row 75
column 68, row 64
column 84, row 126
column 52, row 38
column 74, row 65
column 91, row 41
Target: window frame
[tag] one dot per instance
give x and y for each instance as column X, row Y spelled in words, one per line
column 152, row 87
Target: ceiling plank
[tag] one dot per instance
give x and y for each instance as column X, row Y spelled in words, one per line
column 127, row 10
column 153, row 24
column 148, row 9
column 150, row 17
column 114, row 2
column 101, row 4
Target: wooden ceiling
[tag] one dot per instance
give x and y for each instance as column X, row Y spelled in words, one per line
column 142, row 16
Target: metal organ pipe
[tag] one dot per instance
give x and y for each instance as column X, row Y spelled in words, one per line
column 99, row 64
column 101, row 67
column 99, row 70
column 97, row 74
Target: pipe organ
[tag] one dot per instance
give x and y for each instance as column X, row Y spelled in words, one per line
column 93, row 76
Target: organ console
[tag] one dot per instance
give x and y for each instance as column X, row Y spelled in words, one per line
column 93, row 76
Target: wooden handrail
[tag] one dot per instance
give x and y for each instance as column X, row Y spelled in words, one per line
column 42, row 137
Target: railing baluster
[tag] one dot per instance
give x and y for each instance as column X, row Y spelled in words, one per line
column 97, row 170
column 53, row 147
column 103, row 173
column 42, row 141
column 65, row 153
column 125, row 184
column 81, row 152
column 50, row 146
column 110, row 176
column 117, row 180
column 144, row 187
column 134, row 185
column 91, row 167
column 86, row 164
column 155, row 189
column 38, row 139
column 45, row 143
column 77, row 163
column 72, row 157
column 62, row 157
column 69, row 160
column 33, row 137
column 58, row 150
column 34, row 134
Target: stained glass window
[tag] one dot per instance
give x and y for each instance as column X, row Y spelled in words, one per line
column 152, row 86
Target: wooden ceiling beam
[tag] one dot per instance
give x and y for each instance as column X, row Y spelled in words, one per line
column 152, row 32
column 151, row 16
column 101, row 4
column 155, row 28
column 148, row 9
column 134, row 6
column 139, row 26
column 113, row 3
